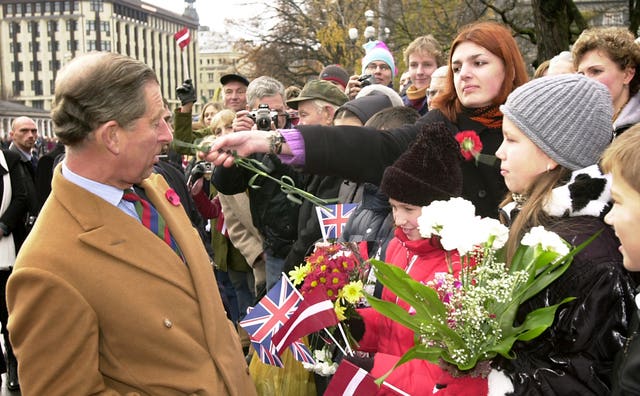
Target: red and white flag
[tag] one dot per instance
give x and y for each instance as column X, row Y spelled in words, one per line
column 351, row 380
column 183, row 37
column 314, row 313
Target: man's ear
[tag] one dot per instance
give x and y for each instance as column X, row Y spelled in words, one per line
column 108, row 135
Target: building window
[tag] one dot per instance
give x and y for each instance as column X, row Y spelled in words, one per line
column 211, row 76
column 53, row 46
column 47, row 7
column 72, row 45
column 54, row 65
column 52, row 26
column 14, row 28
column 613, row 19
column 17, row 47
column 67, row 6
column 9, row 9
column 38, row 8
column 36, row 86
column 57, row 7
column 91, row 45
column 28, row 9
column 34, row 46
column 18, row 86
column 52, row 86
column 211, row 93
column 16, row 66
column 96, row 5
column 33, row 27
column 72, row 25
column 106, row 28
column 91, row 26
column 106, row 45
column 37, row 104
column 35, row 66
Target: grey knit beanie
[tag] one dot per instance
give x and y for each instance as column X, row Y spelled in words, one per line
column 569, row 117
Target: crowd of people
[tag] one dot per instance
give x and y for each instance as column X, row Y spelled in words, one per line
column 95, row 304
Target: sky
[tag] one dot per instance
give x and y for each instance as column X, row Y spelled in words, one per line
column 212, row 13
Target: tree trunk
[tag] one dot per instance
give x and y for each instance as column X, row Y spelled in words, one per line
column 552, row 23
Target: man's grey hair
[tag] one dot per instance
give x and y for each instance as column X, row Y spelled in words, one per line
column 262, row 87
column 96, row 88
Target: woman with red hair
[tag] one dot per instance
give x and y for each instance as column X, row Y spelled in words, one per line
column 485, row 65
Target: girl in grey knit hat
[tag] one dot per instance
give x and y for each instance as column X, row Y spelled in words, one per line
column 555, row 129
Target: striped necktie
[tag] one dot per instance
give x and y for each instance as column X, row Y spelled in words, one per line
column 151, row 219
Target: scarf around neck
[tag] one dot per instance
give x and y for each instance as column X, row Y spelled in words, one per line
column 415, row 94
column 587, row 193
column 489, row 116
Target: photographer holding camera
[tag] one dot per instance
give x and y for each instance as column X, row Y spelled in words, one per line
column 378, row 67
column 275, row 216
column 267, row 110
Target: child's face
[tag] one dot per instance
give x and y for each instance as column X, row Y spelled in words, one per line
column 406, row 216
column 625, row 217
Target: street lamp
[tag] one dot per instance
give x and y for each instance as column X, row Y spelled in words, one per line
column 369, row 31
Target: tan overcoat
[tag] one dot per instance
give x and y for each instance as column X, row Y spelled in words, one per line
column 99, row 305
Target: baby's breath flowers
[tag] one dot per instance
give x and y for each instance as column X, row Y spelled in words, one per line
column 468, row 319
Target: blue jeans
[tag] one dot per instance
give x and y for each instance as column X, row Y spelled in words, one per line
column 243, row 283
column 274, row 267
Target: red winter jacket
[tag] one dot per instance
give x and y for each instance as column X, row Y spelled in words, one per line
column 389, row 340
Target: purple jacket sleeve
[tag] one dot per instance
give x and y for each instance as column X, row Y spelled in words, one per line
column 295, row 140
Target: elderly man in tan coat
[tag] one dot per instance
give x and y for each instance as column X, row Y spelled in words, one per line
column 98, row 303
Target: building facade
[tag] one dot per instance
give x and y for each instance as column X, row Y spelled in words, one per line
column 37, row 38
column 216, row 58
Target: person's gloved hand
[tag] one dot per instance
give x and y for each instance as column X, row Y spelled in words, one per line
column 186, row 92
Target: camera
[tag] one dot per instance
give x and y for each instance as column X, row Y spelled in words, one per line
column 200, row 168
column 263, row 117
column 366, row 79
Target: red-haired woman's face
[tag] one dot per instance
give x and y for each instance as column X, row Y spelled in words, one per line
column 478, row 74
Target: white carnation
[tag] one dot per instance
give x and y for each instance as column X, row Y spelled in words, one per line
column 549, row 241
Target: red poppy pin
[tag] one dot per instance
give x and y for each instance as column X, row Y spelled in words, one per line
column 172, row 197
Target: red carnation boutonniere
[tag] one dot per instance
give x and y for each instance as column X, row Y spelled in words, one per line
column 471, row 148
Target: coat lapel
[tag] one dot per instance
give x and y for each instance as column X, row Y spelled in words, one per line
column 108, row 229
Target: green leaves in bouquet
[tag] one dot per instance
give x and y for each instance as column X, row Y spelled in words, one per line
column 535, row 269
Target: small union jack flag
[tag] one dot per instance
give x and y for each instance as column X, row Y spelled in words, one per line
column 268, row 316
column 301, row 353
column 267, row 355
column 333, row 218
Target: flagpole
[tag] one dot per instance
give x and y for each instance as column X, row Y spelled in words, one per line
column 346, row 341
column 327, row 331
column 336, row 342
column 185, row 65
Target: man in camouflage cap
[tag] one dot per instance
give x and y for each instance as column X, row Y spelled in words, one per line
column 318, row 102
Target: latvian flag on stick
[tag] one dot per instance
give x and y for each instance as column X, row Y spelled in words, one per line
column 351, row 380
column 182, row 38
column 314, row 313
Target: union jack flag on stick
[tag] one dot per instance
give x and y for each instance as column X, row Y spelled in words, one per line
column 333, row 218
column 274, row 310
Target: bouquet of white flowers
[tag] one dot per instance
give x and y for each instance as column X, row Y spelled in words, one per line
column 468, row 319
